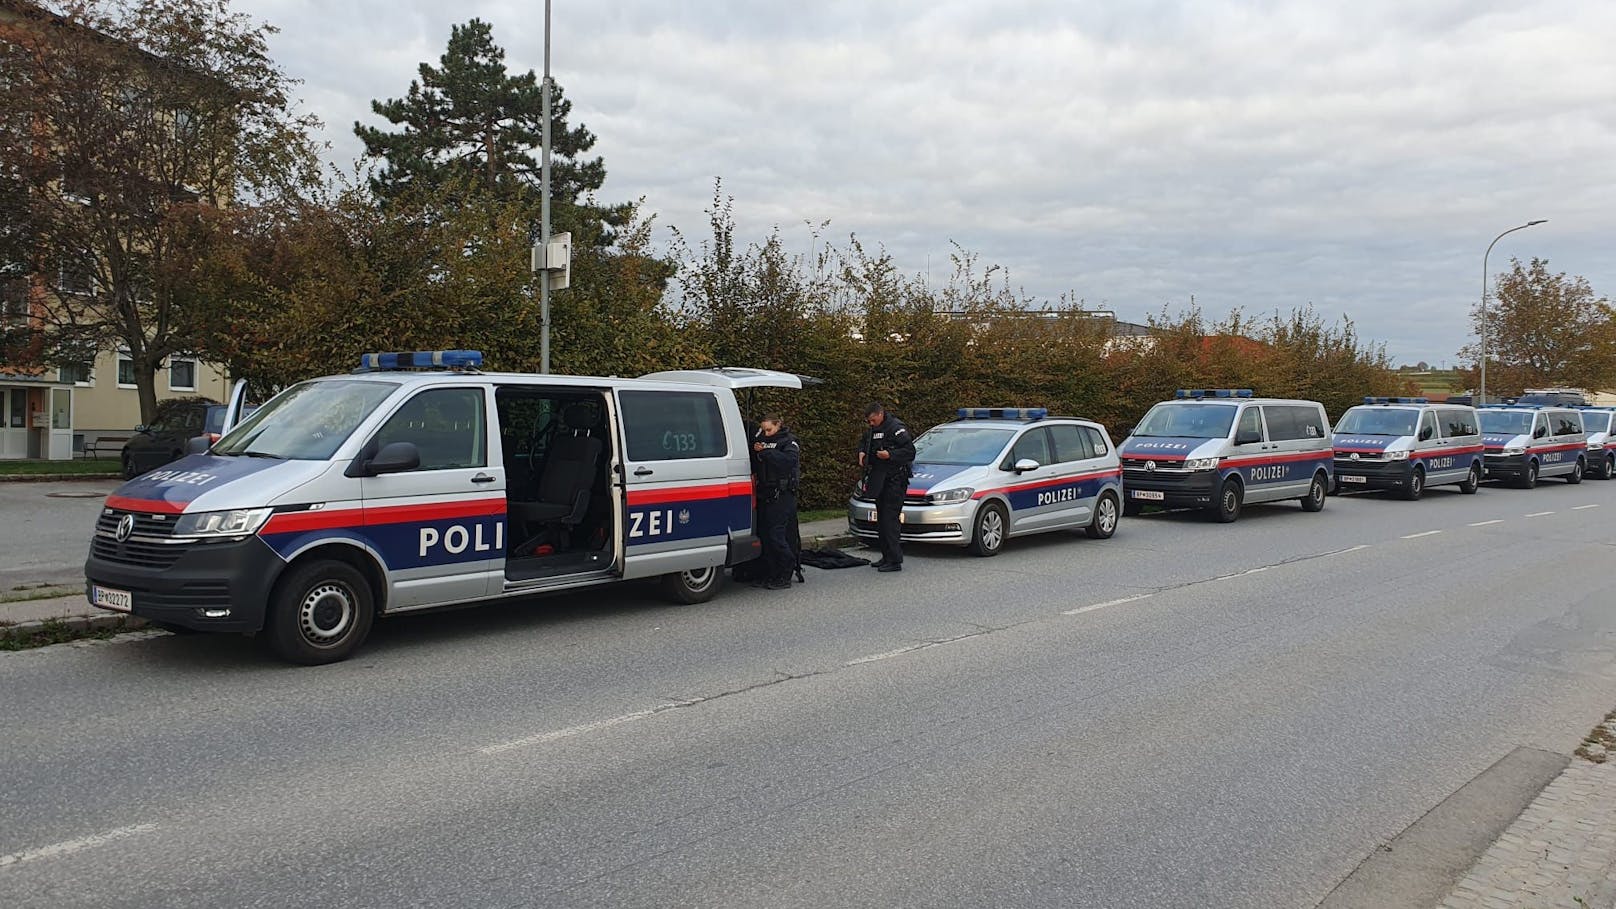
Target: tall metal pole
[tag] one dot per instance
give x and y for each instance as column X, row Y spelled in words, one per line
column 1482, row 394
column 544, row 209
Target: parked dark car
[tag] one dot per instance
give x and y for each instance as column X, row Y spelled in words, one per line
column 165, row 439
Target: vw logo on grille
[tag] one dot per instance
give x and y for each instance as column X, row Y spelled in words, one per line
column 1150, row 465
column 1355, row 456
column 126, row 526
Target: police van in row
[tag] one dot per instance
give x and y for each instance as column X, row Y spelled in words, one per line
column 1407, row 445
column 420, row 481
column 1601, row 440
column 1525, row 442
column 1222, row 449
column 996, row 473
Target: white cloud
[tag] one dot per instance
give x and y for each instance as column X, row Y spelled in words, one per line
column 1266, row 154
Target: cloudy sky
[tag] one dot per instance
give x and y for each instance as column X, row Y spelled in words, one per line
column 1356, row 155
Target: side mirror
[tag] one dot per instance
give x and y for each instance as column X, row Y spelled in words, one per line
column 1426, row 434
column 142, row 428
column 1540, row 432
column 1247, row 438
column 1026, row 464
column 395, row 457
column 198, row 444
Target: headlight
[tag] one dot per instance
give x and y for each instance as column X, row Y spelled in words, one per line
column 950, row 496
column 1201, row 464
column 239, row 522
column 1397, row 455
column 1514, row 451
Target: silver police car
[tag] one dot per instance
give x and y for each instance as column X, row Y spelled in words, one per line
column 995, row 473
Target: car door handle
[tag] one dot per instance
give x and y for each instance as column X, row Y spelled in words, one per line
column 482, row 478
column 643, row 471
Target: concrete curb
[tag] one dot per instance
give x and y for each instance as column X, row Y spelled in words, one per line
column 81, row 624
column 57, row 477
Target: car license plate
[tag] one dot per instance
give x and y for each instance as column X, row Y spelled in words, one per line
column 106, row 597
column 1151, row 494
column 1347, row 479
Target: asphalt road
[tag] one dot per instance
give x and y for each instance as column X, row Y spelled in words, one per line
column 1186, row 715
column 45, row 530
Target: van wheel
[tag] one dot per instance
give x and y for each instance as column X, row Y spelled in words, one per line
column 987, row 537
column 128, row 468
column 1416, row 485
column 1227, row 508
column 1472, row 481
column 687, row 588
column 320, row 612
column 1575, row 476
column 1317, row 492
column 1104, row 523
column 1610, row 467
column 1132, row 509
column 1529, row 480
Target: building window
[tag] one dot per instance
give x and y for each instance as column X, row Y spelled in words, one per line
column 76, row 277
column 126, row 370
column 13, row 300
column 76, row 374
column 181, row 375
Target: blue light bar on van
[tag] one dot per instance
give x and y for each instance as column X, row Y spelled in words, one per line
column 1003, row 413
column 1198, row 393
column 422, row 359
column 1368, row 400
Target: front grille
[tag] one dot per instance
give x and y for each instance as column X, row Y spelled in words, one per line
column 1362, row 456
column 906, row 527
column 1137, row 465
column 150, row 543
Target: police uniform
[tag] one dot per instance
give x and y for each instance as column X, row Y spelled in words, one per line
column 778, row 468
column 888, row 481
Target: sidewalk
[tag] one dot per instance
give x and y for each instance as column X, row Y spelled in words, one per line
column 1560, row 852
column 74, row 607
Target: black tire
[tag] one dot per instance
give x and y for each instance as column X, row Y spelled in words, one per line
column 1416, row 485
column 1472, row 481
column 1132, row 509
column 1529, row 480
column 1318, row 492
column 1104, row 523
column 989, row 531
column 1610, row 467
column 129, row 468
column 320, row 612
column 1575, row 476
column 687, row 588
column 1226, row 510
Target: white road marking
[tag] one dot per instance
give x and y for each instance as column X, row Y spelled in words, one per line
column 1415, row 536
column 570, row 731
column 1581, row 507
column 1108, row 603
column 1485, row 523
column 1539, row 514
column 70, row 846
column 1345, row 551
column 874, row 657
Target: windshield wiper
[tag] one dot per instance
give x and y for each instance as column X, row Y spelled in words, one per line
column 264, row 454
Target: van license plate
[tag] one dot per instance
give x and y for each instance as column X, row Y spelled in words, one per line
column 106, row 597
column 1151, row 494
column 1350, row 479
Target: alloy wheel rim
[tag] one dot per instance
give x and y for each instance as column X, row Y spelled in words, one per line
column 992, row 529
column 1108, row 516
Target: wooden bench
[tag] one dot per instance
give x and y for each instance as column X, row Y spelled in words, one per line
column 104, row 446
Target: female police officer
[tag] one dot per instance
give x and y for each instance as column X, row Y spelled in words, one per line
column 777, row 464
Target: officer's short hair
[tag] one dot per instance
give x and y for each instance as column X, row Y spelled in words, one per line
column 772, row 418
column 873, row 408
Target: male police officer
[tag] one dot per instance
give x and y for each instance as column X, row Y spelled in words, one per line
column 885, row 454
column 777, row 464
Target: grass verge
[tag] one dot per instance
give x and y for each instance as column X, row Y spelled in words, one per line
column 76, row 468
column 55, row 631
column 36, row 592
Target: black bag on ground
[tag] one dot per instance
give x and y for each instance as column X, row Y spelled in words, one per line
column 829, row 558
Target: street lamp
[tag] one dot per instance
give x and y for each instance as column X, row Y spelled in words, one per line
column 544, row 212
column 1482, row 394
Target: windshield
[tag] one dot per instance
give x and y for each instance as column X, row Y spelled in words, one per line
column 306, row 422
column 1506, row 422
column 1187, row 420
column 961, row 447
column 1378, row 421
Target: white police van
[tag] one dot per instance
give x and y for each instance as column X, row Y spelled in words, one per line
column 1528, row 441
column 1222, row 448
column 419, row 482
column 1001, row 472
column 1407, row 444
column 1596, row 422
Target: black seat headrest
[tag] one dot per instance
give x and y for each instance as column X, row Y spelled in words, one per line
column 580, row 415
